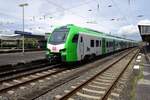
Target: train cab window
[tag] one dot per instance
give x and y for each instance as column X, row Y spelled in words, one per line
column 81, row 39
column 59, row 35
column 92, row 43
column 75, row 38
column 97, row 43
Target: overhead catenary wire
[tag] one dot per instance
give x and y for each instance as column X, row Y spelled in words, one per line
column 67, row 9
column 127, row 22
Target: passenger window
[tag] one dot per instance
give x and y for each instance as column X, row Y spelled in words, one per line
column 75, row 38
column 100, row 43
column 81, row 39
column 107, row 44
column 110, row 44
column 97, row 43
column 92, row 43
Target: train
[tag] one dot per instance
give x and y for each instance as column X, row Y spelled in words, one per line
column 71, row 43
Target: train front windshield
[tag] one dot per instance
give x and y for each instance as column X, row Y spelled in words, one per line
column 59, row 35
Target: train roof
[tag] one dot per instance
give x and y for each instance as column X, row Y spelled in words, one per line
column 98, row 33
column 119, row 38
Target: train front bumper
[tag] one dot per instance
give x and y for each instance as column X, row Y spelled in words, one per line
column 56, row 57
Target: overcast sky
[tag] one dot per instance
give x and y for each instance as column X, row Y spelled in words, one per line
column 118, row 17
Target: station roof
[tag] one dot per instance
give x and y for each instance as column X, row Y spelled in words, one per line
column 145, row 32
column 30, row 35
column 39, row 37
column 19, row 37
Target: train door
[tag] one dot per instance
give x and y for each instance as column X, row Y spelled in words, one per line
column 97, row 47
column 103, row 46
column 81, row 47
column 114, row 46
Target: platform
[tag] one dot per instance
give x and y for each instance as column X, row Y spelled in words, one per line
column 14, row 58
column 143, row 85
column 17, row 50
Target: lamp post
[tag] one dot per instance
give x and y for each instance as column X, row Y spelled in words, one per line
column 23, row 5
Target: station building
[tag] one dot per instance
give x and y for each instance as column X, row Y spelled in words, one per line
column 9, row 42
column 145, row 32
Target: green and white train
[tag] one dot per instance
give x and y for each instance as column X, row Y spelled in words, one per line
column 71, row 43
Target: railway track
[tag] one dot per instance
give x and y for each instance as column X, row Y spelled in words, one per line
column 30, row 77
column 73, row 76
column 19, row 81
column 9, row 70
column 15, row 51
column 100, row 85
